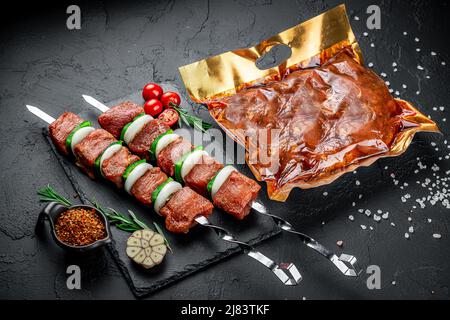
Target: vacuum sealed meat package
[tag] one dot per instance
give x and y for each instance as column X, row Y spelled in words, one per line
column 319, row 114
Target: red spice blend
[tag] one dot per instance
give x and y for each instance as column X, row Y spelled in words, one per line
column 80, row 227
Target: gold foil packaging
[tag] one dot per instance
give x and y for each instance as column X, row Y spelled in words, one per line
column 321, row 112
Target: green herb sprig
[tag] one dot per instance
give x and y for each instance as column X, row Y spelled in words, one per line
column 119, row 220
column 48, row 194
column 190, row 119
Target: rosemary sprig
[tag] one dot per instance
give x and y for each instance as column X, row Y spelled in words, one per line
column 48, row 194
column 191, row 120
column 125, row 223
column 122, row 222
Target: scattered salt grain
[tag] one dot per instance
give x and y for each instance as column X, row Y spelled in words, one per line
column 418, row 49
column 397, row 93
column 405, row 33
column 325, row 194
column 365, row 34
column 351, row 218
column 356, row 18
column 384, row 75
column 420, row 67
column 394, row 283
column 372, row 45
column 416, row 39
column 404, row 86
column 387, row 83
column 370, row 64
column 411, row 229
column 436, row 235
column 367, row 212
column 385, row 215
column 417, row 93
column 371, row 228
column 394, row 64
column 433, row 53
column 429, row 220
column 340, row 243
column 392, row 224
column 376, row 218
column 443, row 63
column 409, row 219
column 363, row 227
column 406, row 235
column 357, row 182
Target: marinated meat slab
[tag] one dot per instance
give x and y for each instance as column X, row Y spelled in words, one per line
column 328, row 118
column 87, row 151
column 144, row 187
column 61, row 128
column 236, row 195
column 143, row 140
column 117, row 117
column 172, row 153
column 182, row 209
column 114, row 167
column 201, row 174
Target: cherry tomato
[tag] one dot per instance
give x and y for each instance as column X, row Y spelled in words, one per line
column 170, row 97
column 151, row 91
column 153, row 107
column 169, row 116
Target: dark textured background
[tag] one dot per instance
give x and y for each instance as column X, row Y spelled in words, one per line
column 123, row 45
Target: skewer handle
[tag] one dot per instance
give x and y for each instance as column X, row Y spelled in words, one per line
column 345, row 263
column 287, row 273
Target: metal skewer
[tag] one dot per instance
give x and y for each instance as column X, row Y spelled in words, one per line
column 346, row 263
column 287, row 273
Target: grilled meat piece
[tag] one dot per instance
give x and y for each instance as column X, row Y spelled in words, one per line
column 236, row 195
column 143, row 140
column 200, row 175
column 172, row 153
column 144, row 187
column 90, row 148
column 114, row 167
column 61, row 128
column 182, row 209
column 117, row 117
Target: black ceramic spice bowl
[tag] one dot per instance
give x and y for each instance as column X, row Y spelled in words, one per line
column 53, row 210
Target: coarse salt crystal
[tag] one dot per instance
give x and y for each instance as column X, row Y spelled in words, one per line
column 433, row 53
column 372, row 45
column 370, row 64
column 376, row 217
column 356, row 18
column 363, row 227
column 365, row 34
column 325, row 194
column 419, row 67
column 394, row 64
column 385, row 215
column 351, row 218
column 429, row 220
column 357, row 182
column 406, row 235
column 411, row 229
column 392, row 224
column 368, row 212
column 436, row 235
column 416, row 39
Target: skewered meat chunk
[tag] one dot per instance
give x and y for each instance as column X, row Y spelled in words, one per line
column 90, row 148
column 182, row 209
column 117, row 117
column 236, row 195
column 143, row 188
column 114, row 167
column 143, row 140
column 172, row 153
column 200, row 175
column 61, row 128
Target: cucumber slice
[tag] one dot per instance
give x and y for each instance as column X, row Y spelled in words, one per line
column 164, row 142
column 165, row 193
column 135, row 174
column 221, row 176
column 155, row 143
column 70, row 136
column 106, row 154
column 135, row 127
column 180, row 163
column 130, row 168
column 79, row 135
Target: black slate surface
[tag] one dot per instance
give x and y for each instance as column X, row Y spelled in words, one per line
column 192, row 252
column 123, row 45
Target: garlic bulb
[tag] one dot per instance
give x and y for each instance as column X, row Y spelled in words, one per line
column 146, row 248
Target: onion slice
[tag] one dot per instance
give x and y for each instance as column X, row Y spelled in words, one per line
column 134, row 175
column 135, row 127
column 190, row 162
column 164, row 195
column 164, row 142
column 220, row 178
column 79, row 135
column 108, row 153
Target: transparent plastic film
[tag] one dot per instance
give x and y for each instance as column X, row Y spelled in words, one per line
column 322, row 113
